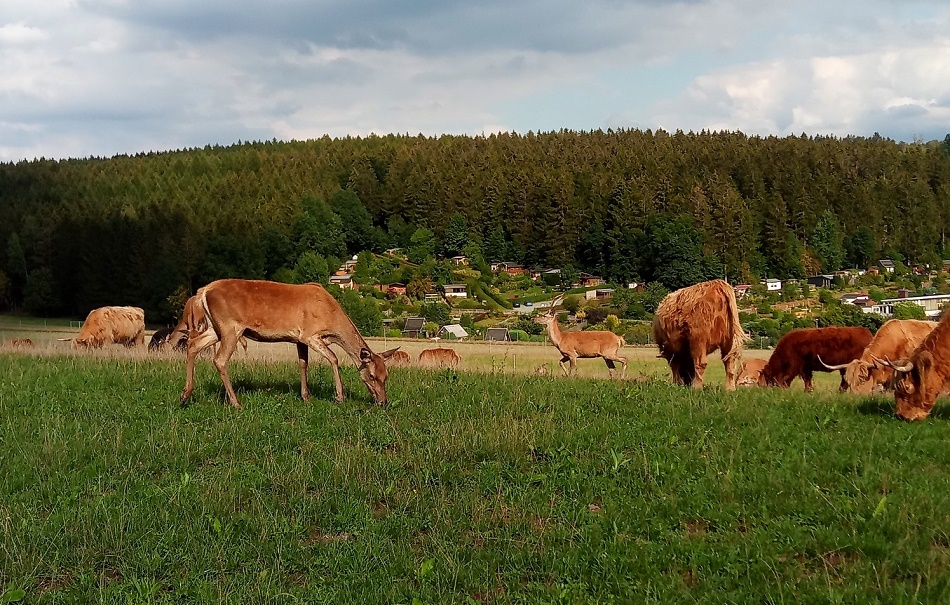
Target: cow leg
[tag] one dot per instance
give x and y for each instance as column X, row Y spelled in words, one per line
column 806, row 378
column 321, row 347
column 564, row 367
column 733, row 367
column 699, row 369
column 196, row 344
column 675, row 369
column 228, row 345
column 303, row 353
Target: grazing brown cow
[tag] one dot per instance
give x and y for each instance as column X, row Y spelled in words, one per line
column 896, row 339
column 588, row 344
column 399, row 358
column 924, row 375
column 20, row 343
column 440, row 357
column 691, row 323
column 751, row 368
column 797, row 354
column 107, row 325
column 265, row 311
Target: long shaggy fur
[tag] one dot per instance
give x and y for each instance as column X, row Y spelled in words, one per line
column 691, row 323
column 797, row 353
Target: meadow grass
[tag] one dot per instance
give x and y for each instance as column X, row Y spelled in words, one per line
column 470, row 487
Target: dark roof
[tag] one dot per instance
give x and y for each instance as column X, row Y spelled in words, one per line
column 415, row 323
column 496, row 334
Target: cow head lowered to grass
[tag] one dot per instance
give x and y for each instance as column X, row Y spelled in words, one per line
column 896, row 339
column 265, row 311
column 923, row 376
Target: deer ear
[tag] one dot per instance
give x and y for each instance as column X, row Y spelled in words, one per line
column 389, row 353
column 365, row 355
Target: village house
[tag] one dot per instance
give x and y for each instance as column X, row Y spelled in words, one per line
column 460, row 261
column 886, row 265
column 771, row 284
column 344, row 280
column 456, row 290
column 394, row 289
column 587, row 280
column 599, row 293
column 821, row 281
column 742, row 290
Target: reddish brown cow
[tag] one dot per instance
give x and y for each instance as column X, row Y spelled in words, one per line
column 440, row 357
column 797, row 354
column 751, row 369
column 107, row 325
column 304, row 314
column 22, row 343
column 691, row 323
column 924, row 376
column 896, row 339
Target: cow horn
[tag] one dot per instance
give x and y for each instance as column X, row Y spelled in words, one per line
column 64, row 339
column 833, row 368
column 907, row 367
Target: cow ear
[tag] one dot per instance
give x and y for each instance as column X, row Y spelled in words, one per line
column 365, row 355
column 389, row 353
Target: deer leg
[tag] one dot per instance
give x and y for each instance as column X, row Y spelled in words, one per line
column 321, row 347
column 196, row 344
column 303, row 353
column 610, row 367
column 564, row 367
column 228, row 345
column 574, row 365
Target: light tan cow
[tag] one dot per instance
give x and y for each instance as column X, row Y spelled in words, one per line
column 440, row 357
column 751, row 369
column 691, row 323
column 108, row 325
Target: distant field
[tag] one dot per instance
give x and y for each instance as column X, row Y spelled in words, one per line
column 471, row 487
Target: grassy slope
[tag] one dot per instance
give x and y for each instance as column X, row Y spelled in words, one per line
column 488, row 487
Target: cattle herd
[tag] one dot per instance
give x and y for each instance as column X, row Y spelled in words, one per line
column 907, row 357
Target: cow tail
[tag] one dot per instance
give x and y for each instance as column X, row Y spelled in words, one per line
column 738, row 335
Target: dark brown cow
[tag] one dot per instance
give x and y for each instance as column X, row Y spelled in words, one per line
column 440, row 357
column 265, row 311
column 924, row 376
column 797, row 354
column 691, row 323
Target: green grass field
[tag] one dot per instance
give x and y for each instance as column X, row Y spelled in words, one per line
column 476, row 486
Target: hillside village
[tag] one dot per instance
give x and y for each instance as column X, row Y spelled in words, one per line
column 455, row 298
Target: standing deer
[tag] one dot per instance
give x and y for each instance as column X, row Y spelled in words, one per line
column 305, row 314
column 585, row 345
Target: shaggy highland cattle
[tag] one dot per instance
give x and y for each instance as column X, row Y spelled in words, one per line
column 896, row 339
column 440, row 357
column 265, row 311
column 751, row 369
column 587, row 344
column 108, row 325
column 924, row 375
column 691, row 323
column 19, row 343
column 797, row 354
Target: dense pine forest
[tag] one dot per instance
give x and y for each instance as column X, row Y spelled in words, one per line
column 627, row 205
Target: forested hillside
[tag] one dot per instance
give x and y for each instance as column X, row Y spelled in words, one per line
column 627, row 204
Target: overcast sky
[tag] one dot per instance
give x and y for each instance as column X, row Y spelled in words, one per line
column 85, row 78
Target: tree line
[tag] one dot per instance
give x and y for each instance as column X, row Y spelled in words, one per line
column 629, row 205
